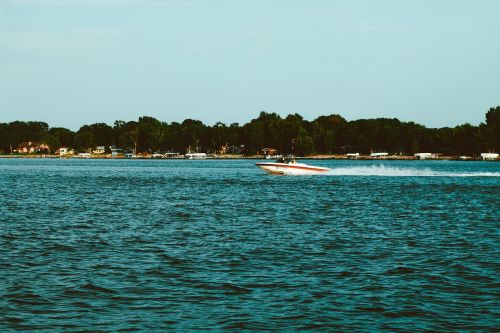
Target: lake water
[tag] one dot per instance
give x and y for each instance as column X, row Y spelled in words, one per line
column 178, row 245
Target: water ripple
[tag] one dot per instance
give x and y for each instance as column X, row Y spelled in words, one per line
column 118, row 246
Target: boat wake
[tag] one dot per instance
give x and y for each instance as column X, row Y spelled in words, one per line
column 384, row 171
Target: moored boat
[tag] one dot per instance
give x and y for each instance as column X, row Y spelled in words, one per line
column 196, row 156
column 289, row 166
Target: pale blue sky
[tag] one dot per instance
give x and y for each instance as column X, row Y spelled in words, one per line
column 74, row 62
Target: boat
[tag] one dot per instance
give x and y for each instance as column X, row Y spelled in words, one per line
column 489, row 156
column 289, row 166
column 196, row 156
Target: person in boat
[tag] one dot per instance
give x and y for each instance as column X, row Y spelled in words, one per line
column 290, row 159
column 286, row 160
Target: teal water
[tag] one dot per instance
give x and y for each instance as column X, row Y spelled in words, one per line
column 177, row 245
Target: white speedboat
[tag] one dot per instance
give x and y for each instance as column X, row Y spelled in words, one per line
column 288, row 166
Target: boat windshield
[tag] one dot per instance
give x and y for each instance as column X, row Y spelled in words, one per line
column 287, row 160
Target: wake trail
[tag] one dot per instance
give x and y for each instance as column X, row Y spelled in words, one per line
column 383, row 171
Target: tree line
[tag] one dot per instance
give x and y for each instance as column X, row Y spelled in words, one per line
column 324, row 135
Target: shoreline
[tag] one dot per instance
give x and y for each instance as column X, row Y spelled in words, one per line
column 258, row 157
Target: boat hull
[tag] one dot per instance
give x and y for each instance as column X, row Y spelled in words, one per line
column 291, row 168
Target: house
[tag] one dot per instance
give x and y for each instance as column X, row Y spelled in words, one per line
column 269, row 151
column 99, row 150
column 424, row 156
column 233, row 150
column 29, row 147
column 65, row 151
column 115, row 151
column 489, row 156
column 226, row 149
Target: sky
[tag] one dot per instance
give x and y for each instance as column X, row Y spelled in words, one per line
column 76, row 62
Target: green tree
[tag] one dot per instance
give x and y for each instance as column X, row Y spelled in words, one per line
column 8, row 139
column 325, row 134
column 493, row 129
column 53, row 142
column 303, row 144
column 102, row 134
column 149, row 134
column 465, row 140
column 65, row 137
column 84, row 140
column 328, row 133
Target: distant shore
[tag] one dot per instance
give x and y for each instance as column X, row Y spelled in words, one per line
column 255, row 157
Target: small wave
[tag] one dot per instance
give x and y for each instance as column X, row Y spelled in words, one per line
column 407, row 313
column 384, row 171
column 93, row 287
column 400, row 270
column 82, row 305
column 62, row 247
column 229, row 288
column 226, row 288
column 371, row 309
column 14, row 320
column 27, row 299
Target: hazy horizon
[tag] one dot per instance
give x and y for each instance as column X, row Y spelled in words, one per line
column 76, row 62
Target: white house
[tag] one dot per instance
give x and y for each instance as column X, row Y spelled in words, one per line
column 64, row 151
column 115, row 151
column 99, row 150
column 424, row 156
